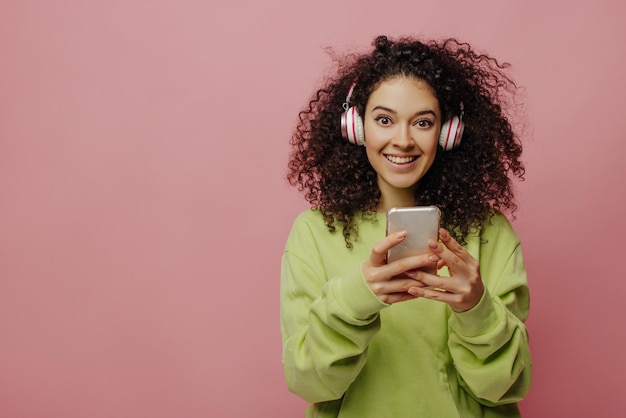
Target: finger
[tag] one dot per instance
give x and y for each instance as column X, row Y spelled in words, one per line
column 399, row 297
column 441, row 264
column 404, row 268
column 410, row 266
column 394, row 290
column 454, row 256
column 433, row 294
column 453, row 245
column 448, row 258
column 398, row 285
column 440, row 283
column 459, row 302
column 378, row 257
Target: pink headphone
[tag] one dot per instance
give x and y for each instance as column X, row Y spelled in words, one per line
column 352, row 126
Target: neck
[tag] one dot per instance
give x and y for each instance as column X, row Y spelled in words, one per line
column 396, row 201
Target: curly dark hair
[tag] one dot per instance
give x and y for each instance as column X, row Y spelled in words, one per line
column 469, row 184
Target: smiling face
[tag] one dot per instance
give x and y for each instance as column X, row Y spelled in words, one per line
column 402, row 122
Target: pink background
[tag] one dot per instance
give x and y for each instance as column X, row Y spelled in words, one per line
column 143, row 210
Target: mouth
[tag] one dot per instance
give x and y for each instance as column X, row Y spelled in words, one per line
column 401, row 160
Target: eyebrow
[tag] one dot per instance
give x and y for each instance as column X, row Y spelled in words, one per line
column 420, row 113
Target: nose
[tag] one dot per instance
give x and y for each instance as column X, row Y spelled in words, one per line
column 402, row 137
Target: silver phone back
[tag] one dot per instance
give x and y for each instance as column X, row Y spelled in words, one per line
column 421, row 224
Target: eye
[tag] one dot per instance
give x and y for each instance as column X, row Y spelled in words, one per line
column 424, row 123
column 383, row 120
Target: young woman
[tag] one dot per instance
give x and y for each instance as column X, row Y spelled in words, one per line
column 409, row 123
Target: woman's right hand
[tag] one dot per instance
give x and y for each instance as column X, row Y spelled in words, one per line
column 390, row 282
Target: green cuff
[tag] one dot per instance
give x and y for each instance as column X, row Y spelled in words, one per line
column 478, row 320
column 355, row 297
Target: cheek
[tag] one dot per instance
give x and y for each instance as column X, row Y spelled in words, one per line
column 430, row 150
column 374, row 133
column 429, row 164
column 429, row 145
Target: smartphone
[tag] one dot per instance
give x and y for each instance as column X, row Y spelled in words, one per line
column 421, row 224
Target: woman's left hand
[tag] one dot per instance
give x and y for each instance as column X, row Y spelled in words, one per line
column 464, row 288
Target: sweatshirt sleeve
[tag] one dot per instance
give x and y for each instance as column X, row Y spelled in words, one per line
column 326, row 323
column 489, row 343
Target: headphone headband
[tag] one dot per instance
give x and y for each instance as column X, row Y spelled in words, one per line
column 350, row 90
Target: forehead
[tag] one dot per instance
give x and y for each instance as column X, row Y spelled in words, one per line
column 404, row 92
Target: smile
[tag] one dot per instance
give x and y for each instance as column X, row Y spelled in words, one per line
column 400, row 160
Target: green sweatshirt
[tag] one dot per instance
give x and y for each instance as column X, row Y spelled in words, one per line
column 351, row 355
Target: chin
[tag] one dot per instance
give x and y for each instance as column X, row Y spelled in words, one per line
column 405, row 184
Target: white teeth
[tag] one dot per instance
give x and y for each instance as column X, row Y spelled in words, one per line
column 400, row 160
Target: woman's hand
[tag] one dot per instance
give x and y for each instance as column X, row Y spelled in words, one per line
column 464, row 288
column 391, row 282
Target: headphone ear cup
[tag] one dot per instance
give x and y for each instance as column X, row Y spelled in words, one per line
column 451, row 133
column 352, row 126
